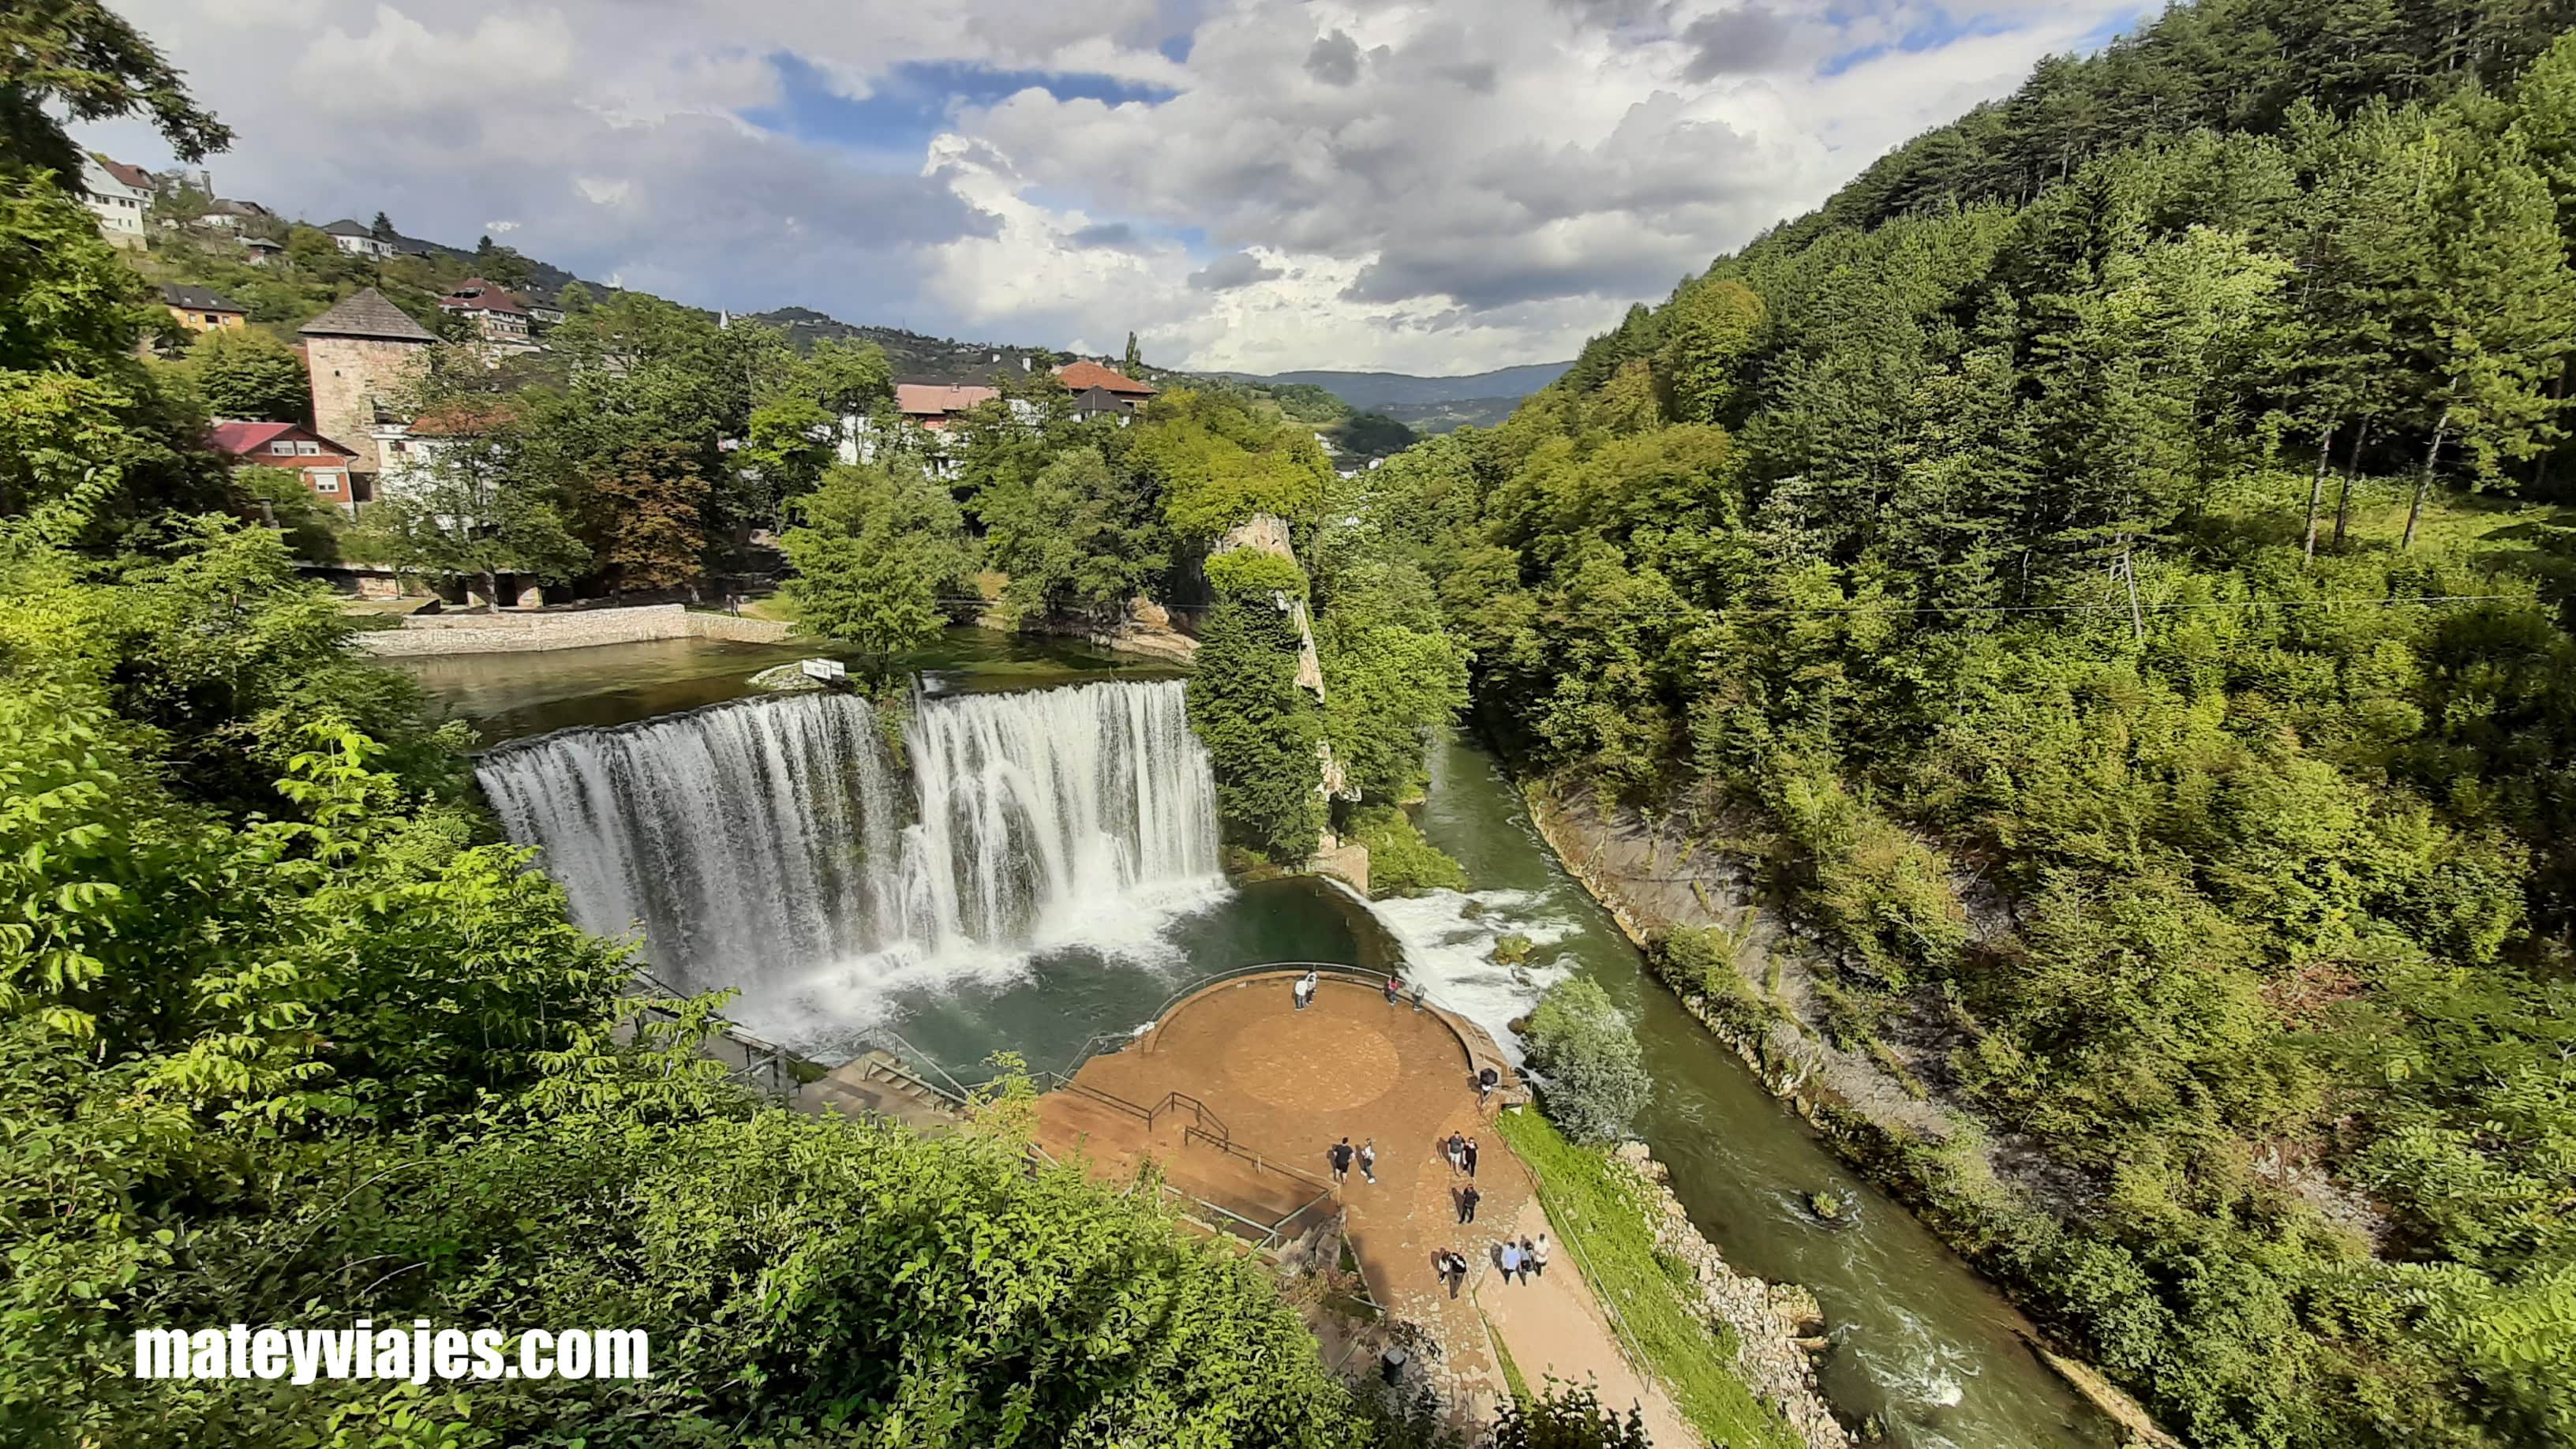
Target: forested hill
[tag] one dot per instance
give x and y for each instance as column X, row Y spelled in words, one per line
column 1403, row 389
column 2078, row 573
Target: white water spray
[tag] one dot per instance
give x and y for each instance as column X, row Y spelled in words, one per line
column 770, row 845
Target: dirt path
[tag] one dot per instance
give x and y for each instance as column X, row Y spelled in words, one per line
column 1553, row 1326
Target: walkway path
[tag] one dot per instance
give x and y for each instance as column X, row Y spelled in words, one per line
column 1287, row 1084
column 1551, row 1324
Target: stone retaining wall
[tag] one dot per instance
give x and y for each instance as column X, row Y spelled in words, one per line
column 511, row 633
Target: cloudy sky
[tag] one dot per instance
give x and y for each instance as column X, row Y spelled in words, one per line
column 1255, row 184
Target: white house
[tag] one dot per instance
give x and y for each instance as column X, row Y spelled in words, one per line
column 117, row 195
column 357, row 240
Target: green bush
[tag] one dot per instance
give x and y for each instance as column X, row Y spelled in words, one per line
column 1595, row 1071
column 1400, row 859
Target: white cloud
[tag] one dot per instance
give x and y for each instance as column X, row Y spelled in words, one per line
column 1353, row 183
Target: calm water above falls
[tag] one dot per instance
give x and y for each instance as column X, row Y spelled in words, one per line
column 1920, row 1339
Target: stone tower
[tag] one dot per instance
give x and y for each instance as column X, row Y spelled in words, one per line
column 361, row 352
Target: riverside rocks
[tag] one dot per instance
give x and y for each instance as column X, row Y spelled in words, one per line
column 1776, row 1325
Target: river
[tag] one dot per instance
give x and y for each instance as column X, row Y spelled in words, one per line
column 1095, row 928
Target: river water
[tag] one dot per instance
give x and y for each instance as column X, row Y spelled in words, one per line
column 1920, row 1341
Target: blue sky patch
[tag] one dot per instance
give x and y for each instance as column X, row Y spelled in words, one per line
column 912, row 102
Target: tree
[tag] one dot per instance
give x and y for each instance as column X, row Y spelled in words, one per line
column 1710, row 329
column 1392, row 679
column 249, row 375
column 76, row 57
column 1565, row 1416
column 1594, row 1073
column 878, row 550
column 652, row 497
column 1072, row 539
column 1135, row 360
column 469, row 513
column 382, row 228
column 1262, row 729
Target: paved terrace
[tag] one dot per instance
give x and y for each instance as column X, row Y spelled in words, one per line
column 1240, row 1096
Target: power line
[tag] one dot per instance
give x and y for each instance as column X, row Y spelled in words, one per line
column 2123, row 607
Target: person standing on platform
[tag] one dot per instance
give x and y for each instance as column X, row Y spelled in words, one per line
column 1468, row 1155
column 1394, row 988
column 1457, row 1149
column 1341, row 1155
column 1511, row 1259
column 1537, row 1257
column 1368, row 1160
column 1467, row 1201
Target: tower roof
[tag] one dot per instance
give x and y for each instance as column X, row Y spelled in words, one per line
column 368, row 314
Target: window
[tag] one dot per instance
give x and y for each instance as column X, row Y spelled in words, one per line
column 326, row 482
column 307, row 449
column 281, row 449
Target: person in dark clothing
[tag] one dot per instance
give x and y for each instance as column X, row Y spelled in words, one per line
column 1467, row 1201
column 1468, row 1156
column 1341, row 1156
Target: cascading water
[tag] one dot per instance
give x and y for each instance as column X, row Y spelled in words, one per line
column 770, row 845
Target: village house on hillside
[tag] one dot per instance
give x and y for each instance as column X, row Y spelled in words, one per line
column 361, row 355
column 202, row 309
column 223, row 214
column 1097, row 389
column 934, row 405
column 118, row 193
column 329, row 469
column 358, row 240
column 497, row 316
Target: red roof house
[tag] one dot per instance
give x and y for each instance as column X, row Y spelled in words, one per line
column 1084, row 376
column 325, row 465
column 933, row 404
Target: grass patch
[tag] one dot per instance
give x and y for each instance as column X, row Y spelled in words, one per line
column 1512, row 1379
column 1599, row 1209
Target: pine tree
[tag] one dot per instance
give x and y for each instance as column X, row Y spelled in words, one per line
column 1135, row 362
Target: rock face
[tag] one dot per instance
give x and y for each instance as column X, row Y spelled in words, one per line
column 1776, row 1325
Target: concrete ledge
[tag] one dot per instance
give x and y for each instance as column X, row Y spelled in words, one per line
column 513, row 633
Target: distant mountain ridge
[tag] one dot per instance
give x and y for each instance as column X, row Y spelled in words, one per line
column 1379, row 391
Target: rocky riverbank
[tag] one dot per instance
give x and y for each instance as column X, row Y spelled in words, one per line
column 1650, row 883
column 1776, row 1326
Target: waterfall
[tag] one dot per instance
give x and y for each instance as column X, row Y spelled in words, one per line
column 772, row 845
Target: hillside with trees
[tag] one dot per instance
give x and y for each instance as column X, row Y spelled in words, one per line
column 2073, row 575
column 286, row 1037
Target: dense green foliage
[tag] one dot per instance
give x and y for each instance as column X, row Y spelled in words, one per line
column 878, row 549
column 1593, row 1070
column 1401, row 860
column 2050, row 559
column 1262, row 729
column 284, row 1038
column 471, row 512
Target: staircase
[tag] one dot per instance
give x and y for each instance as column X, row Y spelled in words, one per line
column 879, row 1084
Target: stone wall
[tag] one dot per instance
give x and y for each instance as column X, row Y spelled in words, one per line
column 349, row 374
column 1776, row 1325
column 572, row 629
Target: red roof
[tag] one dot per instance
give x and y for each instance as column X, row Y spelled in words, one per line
column 134, row 176
column 939, row 399
column 1082, row 376
column 477, row 295
column 241, row 440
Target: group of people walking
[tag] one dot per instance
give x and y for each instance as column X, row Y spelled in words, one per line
column 1342, row 1156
